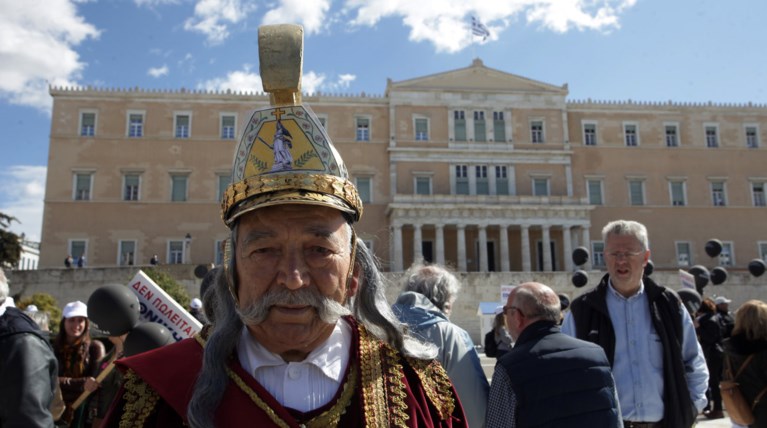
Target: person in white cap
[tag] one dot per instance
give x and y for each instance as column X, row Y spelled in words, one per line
column 302, row 333
column 726, row 319
column 27, row 368
column 195, row 309
column 78, row 357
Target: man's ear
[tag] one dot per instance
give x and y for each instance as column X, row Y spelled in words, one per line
column 353, row 283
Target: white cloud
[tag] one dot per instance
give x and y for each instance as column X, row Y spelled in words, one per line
column 344, row 80
column 213, row 17
column 22, row 191
column 153, row 3
column 312, row 82
column 37, row 49
column 158, row 71
column 238, row 81
column 445, row 23
column 311, row 14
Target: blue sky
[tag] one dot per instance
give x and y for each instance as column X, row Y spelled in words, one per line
column 652, row 50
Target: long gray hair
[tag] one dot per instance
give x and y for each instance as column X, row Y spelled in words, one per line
column 369, row 307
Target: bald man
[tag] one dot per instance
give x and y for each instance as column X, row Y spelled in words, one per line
column 549, row 379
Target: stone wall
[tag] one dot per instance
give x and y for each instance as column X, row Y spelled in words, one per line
column 67, row 285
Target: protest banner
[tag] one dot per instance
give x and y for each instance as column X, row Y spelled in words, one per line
column 155, row 305
column 687, row 279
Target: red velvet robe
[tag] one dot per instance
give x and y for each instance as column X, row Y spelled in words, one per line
column 380, row 388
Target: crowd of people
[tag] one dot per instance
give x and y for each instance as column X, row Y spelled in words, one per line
column 298, row 331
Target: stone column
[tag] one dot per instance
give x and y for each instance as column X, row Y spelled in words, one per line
column 568, row 247
column 504, row 237
column 525, row 238
column 587, row 243
column 417, row 246
column 396, row 246
column 483, row 265
column 460, row 230
column 439, row 232
column 546, row 247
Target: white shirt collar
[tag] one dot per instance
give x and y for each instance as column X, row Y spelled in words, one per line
column 331, row 356
column 7, row 303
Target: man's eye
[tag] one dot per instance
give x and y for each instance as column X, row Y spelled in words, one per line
column 320, row 251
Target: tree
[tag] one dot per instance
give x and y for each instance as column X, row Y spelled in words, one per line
column 10, row 243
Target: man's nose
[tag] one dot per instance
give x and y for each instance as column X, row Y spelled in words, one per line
column 293, row 271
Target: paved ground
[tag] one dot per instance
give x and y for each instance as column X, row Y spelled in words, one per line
column 488, row 365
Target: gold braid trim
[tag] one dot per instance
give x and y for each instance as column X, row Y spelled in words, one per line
column 372, row 383
column 436, row 384
column 397, row 392
column 140, row 401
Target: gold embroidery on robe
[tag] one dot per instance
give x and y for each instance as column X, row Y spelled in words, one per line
column 436, row 384
column 140, row 401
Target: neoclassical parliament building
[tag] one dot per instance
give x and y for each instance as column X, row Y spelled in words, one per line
column 477, row 168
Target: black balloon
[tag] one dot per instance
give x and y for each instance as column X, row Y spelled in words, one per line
column 113, row 309
column 713, row 247
column 757, row 267
column 649, row 268
column 200, row 271
column 691, row 299
column 580, row 278
column 580, row 256
column 145, row 337
column 701, row 276
column 718, row 275
column 564, row 301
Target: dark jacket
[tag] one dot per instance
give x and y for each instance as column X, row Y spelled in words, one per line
column 754, row 377
column 560, row 381
column 27, row 372
column 592, row 323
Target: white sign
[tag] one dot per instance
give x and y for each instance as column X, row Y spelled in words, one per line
column 505, row 291
column 687, row 279
column 155, row 305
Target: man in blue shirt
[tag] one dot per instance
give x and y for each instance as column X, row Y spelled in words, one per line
column 648, row 336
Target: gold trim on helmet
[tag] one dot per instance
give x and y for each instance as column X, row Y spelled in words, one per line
column 298, row 188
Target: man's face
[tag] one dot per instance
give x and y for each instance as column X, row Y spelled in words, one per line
column 292, row 249
column 625, row 261
column 511, row 317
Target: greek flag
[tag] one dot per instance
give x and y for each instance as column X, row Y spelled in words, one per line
column 478, row 28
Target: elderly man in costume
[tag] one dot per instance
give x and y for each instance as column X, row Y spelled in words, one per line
column 301, row 333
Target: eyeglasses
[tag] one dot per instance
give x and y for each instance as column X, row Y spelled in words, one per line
column 619, row 255
column 509, row 308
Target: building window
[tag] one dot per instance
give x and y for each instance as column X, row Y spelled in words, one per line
column 501, row 180
column 540, row 186
column 459, row 125
column 594, row 188
column 598, row 250
column 636, row 192
column 712, row 139
column 127, row 256
column 227, row 126
column 363, row 128
column 87, row 124
column 683, row 255
column 763, row 251
column 677, row 190
column 590, row 134
column 483, row 185
column 461, row 180
column 182, row 125
column 365, row 189
column 499, row 126
column 718, row 196
column 131, row 186
column 218, row 252
column 421, row 129
column 758, row 194
column 224, row 180
column 727, row 256
column 83, row 185
column 423, row 185
column 480, row 131
column 536, row 131
column 178, row 183
column 630, row 134
column 752, row 137
column 135, row 125
column 77, row 249
column 175, row 254
column 672, row 139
